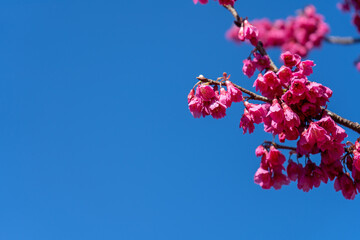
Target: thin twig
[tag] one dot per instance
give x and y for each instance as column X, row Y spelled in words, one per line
column 278, row 146
column 342, row 40
column 260, row 46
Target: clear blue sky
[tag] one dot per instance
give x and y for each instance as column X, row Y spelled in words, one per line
column 96, row 141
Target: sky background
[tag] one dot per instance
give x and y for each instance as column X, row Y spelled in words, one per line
column 96, row 140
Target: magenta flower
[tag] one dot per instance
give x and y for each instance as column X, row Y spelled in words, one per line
column 290, row 60
column 217, row 109
column 280, row 179
column 227, row 2
column 246, row 122
column 346, row 185
column 263, row 178
column 305, row 67
column 291, row 118
column 298, row 86
column 275, row 157
column 205, row 92
column 257, row 112
column 261, row 62
column 225, row 97
column 260, row 151
column 293, row 170
column 248, row 31
column 200, row 1
column 196, row 106
column 248, row 68
column 285, row 75
column 276, row 112
column 235, row 93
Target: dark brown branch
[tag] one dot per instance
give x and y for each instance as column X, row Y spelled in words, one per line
column 342, row 40
column 338, row 119
column 238, row 19
column 343, row 121
column 278, row 146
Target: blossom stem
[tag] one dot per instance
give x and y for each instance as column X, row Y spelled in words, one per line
column 342, row 40
column 259, row 46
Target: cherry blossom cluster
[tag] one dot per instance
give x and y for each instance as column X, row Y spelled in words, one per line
column 222, row 2
column 347, row 5
column 208, row 100
column 298, row 34
column 294, row 112
column 294, row 108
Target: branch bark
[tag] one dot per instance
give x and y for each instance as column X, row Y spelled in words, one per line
column 342, row 40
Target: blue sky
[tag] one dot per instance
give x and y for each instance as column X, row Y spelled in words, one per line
column 96, row 141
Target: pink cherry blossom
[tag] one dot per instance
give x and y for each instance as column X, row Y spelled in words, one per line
column 293, row 170
column 200, row 1
column 235, row 93
column 217, row 109
column 205, row 92
column 261, row 62
column 225, row 97
column 263, row 178
column 196, row 106
column 290, row 60
column 248, row 31
column 248, row 68
column 346, row 185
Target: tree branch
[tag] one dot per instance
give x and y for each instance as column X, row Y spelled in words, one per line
column 342, row 40
column 338, row 119
column 278, row 146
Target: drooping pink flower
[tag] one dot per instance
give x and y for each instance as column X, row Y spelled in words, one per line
column 346, row 185
column 260, row 151
column 227, row 2
column 200, row 1
column 305, row 67
column 257, row 111
column 285, row 75
column 280, row 179
column 293, row 170
column 276, row 112
column 275, row 157
column 261, row 62
column 290, row 60
column 248, row 68
column 191, row 95
column 225, row 97
column 205, row 92
column 196, row 106
column 263, row 178
column 235, row 93
column 248, row 31
column 356, row 160
column 246, row 122
column 217, row 109
column 290, row 117
column 332, row 170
